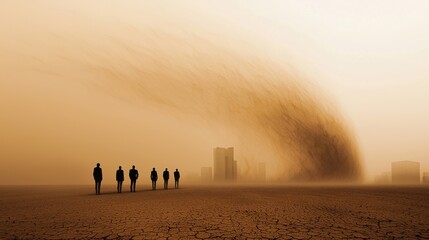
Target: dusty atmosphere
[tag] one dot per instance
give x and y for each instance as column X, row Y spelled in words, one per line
column 279, row 115
column 77, row 90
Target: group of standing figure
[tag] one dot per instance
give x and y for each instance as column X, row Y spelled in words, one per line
column 134, row 175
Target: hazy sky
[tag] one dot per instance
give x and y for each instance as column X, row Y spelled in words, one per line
column 371, row 59
column 371, row 56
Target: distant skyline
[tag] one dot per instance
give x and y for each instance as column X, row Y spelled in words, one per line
column 406, row 172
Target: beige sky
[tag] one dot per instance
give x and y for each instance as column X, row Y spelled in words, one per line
column 371, row 59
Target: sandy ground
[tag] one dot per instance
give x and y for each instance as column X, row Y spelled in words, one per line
column 217, row 212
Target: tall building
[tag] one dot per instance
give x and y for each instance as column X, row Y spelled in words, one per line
column 405, row 172
column 219, row 164
column 262, row 174
column 206, row 175
column 426, row 178
column 225, row 167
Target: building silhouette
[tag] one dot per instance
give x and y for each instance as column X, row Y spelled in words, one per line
column 425, row 178
column 206, row 174
column 225, row 167
column 405, row 172
column 262, row 172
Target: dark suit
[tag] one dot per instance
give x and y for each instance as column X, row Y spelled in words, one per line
column 166, row 176
column 134, row 174
column 98, row 177
column 176, row 179
column 120, row 179
column 154, row 178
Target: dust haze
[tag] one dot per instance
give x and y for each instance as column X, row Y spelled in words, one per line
column 155, row 87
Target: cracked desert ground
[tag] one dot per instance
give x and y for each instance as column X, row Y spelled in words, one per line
column 196, row 212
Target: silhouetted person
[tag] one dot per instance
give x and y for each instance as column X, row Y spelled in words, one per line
column 134, row 174
column 120, row 178
column 176, row 178
column 154, row 178
column 98, row 176
column 166, row 176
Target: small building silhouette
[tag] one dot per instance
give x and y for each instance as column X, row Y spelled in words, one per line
column 206, row 175
column 405, row 172
column 425, row 178
column 262, row 172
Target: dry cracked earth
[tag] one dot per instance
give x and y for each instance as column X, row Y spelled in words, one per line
column 239, row 212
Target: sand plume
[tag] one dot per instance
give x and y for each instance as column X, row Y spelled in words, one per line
column 189, row 72
column 271, row 112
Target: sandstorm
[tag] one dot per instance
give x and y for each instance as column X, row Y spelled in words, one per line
column 159, row 91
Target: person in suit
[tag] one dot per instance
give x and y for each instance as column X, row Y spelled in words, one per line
column 166, row 176
column 120, row 178
column 98, row 177
column 134, row 174
column 154, row 178
column 176, row 178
